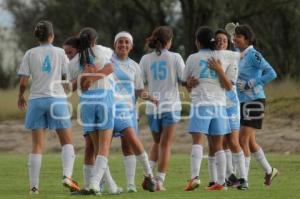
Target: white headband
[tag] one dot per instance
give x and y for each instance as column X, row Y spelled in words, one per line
column 124, row 34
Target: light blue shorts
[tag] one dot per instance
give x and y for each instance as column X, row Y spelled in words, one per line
column 210, row 120
column 123, row 120
column 97, row 113
column 157, row 121
column 48, row 112
column 233, row 114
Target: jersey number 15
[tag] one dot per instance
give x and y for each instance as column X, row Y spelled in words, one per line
column 159, row 70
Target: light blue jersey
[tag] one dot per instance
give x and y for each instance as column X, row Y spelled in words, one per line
column 254, row 67
column 128, row 78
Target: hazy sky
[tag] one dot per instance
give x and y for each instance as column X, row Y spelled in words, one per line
column 6, row 19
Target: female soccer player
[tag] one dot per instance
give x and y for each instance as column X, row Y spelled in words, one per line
column 235, row 155
column 254, row 73
column 129, row 82
column 48, row 106
column 162, row 70
column 96, row 103
column 208, row 111
column 71, row 49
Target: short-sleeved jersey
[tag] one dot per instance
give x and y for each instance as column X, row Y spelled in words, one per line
column 162, row 74
column 209, row 90
column 100, row 60
column 253, row 66
column 45, row 64
column 128, row 78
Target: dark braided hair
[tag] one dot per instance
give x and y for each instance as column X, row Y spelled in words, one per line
column 43, row 30
column 87, row 37
column 159, row 38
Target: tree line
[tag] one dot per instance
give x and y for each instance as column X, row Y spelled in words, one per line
column 275, row 23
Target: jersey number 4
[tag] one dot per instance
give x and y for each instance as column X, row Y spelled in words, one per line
column 159, row 70
column 46, row 67
column 205, row 71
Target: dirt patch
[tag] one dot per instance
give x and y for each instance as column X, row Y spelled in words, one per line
column 279, row 135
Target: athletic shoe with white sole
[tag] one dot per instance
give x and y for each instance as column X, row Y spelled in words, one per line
column 192, row 184
column 70, row 183
column 270, row 177
column 34, row 191
column 131, row 188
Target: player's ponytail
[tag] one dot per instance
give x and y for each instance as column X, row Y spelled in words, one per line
column 43, row 30
column 87, row 37
column 205, row 37
column 160, row 38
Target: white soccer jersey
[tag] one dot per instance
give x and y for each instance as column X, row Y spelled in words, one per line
column 107, row 52
column 232, row 58
column 45, row 64
column 209, row 90
column 128, row 78
column 101, row 60
column 162, row 74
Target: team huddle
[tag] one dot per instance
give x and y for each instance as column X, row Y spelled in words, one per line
column 225, row 80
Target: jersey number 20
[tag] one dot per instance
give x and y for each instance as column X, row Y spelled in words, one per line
column 205, row 71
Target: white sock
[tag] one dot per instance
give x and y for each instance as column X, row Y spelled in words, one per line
column 262, row 160
column 87, row 175
column 161, row 177
column 143, row 159
column 130, row 167
column 212, row 170
column 247, row 166
column 221, row 166
column 109, row 180
column 100, row 168
column 196, row 158
column 152, row 164
column 67, row 157
column 34, row 167
column 239, row 163
column 229, row 167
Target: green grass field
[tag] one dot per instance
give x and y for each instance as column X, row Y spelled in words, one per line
column 14, row 180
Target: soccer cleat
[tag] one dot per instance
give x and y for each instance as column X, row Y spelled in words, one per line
column 231, row 181
column 243, row 184
column 159, row 186
column 131, row 188
column 269, row 177
column 82, row 192
column 192, row 184
column 70, row 183
column 217, row 187
column 149, row 184
column 116, row 190
column 210, row 184
column 95, row 190
column 33, row 191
